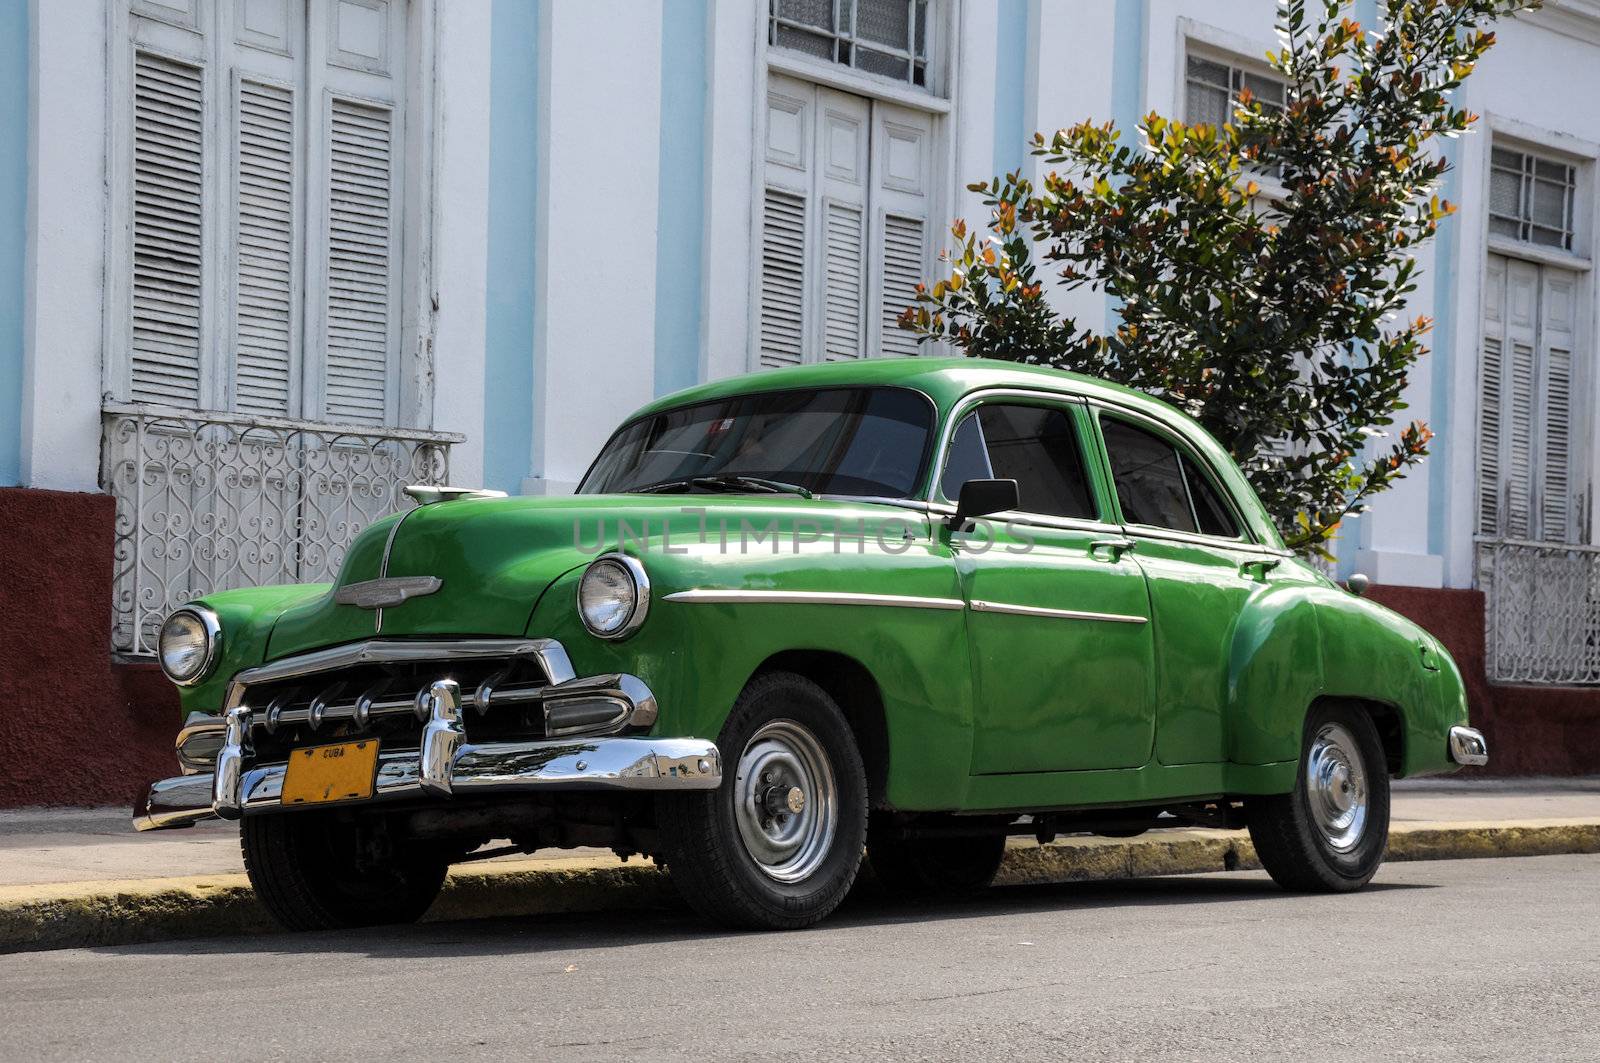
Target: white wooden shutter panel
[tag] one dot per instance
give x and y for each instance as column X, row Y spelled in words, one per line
column 167, row 232
column 1521, row 341
column 783, row 270
column 786, row 200
column 844, row 253
column 1556, row 508
column 1491, row 395
column 903, row 244
column 902, row 186
column 265, row 250
column 359, row 279
column 842, row 167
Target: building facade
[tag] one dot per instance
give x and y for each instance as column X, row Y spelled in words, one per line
column 264, row 262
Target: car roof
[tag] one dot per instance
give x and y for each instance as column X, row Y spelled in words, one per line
column 945, row 379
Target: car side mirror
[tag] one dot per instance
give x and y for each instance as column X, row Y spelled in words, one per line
column 1357, row 584
column 979, row 498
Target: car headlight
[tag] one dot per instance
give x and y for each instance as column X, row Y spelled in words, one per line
column 613, row 596
column 189, row 643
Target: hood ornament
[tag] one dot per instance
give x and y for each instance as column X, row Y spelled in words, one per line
column 427, row 494
column 386, row 593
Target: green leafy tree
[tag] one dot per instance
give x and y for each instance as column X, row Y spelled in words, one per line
column 1271, row 314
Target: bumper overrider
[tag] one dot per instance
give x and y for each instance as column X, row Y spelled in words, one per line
column 581, row 751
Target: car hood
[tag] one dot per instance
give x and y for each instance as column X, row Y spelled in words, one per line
column 495, row 557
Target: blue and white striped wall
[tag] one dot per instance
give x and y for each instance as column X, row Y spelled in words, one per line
column 14, row 112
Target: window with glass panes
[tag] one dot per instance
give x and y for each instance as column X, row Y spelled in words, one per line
column 1531, row 198
column 1212, row 90
column 884, row 37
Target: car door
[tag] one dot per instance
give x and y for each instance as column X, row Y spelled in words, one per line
column 1058, row 619
column 1201, row 568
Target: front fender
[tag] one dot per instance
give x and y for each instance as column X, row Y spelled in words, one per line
column 697, row 657
column 247, row 616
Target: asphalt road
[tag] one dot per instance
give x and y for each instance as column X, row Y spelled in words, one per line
column 1481, row 959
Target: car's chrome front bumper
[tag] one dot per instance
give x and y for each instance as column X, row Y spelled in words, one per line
column 489, row 768
column 443, row 763
column 1467, row 746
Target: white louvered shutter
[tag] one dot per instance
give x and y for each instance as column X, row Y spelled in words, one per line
column 1529, row 476
column 1491, row 397
column 266, row 261
column 904, row 254
column 360, row 266
column 1522, row 298
column 1557, row 505
column 902, row 173
column 842, row 165
column 786, row 202
column 168, row 232
column 844, row 271
column 266, row 321
column 783, row 271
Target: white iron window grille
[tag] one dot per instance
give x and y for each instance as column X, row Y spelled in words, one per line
column 884, row 37
column 214, row 501
column 1543, row 602
column 1531, row 198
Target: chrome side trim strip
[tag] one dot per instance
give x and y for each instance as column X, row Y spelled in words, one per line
column 1059, row 614
column 706, row 596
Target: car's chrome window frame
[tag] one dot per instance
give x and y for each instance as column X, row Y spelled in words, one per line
column 936, row 501
column 928, row 449
column 1246, row 540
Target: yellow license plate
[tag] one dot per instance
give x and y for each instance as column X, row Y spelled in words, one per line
column 331, row 773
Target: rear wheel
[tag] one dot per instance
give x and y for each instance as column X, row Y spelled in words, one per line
column 778, row 844
column 1330, row 832
column 325, row 871
column 934, row 867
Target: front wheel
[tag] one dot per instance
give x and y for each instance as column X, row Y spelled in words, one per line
column 324, row 871
column 777, row 845
column 1329, row 834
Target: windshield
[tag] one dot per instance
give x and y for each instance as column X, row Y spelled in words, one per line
column 836, row 441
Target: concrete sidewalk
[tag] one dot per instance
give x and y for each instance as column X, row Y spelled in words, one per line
column 84, row 876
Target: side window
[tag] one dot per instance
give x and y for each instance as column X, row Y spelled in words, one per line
column 1209, row 509
column 1036, row 446
column 1159, row 487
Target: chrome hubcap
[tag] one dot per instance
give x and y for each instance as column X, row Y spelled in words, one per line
column 784, row 801
column 1336, row 787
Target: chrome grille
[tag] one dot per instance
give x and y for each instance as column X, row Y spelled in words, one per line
column 381, row 688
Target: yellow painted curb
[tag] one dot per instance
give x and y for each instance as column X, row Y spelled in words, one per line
column 80, row 914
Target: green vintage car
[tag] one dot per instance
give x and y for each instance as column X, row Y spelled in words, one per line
column 900, row 607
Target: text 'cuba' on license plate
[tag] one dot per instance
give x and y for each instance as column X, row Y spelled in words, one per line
column 331, row 773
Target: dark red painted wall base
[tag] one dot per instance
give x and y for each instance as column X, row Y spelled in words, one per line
column 1531, row 730
column 75, row 727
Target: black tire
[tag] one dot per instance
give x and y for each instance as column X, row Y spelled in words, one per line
column 1299, row 850
column 934, row 867
column 713, row 865
column 321, row 871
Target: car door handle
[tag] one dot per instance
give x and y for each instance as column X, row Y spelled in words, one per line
column 1114, row 547
column 1257, row 568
